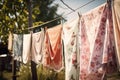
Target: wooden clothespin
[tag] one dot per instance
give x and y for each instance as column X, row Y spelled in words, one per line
column 79, row 15
column 109, row 3
column 45, row 29
column 79, row 18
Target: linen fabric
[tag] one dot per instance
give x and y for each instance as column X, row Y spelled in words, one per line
column 96, row 44
column 37, row 46
column 26, row 55
column 70, row 34
column 17, row 46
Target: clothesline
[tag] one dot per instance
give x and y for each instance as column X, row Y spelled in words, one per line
column 44, row 23
column 60, row 16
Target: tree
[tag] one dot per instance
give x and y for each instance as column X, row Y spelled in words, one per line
column 14, row 15
column 47, row 12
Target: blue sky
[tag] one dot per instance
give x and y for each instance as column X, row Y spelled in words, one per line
column 62, row 9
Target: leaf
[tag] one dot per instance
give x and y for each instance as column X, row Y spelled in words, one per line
column 7, row 18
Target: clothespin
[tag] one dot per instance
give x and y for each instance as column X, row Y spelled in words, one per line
column 42, row 29
column 62, row 21
column 79, row 15
column 45, row 29
column 109, row 3
column 31, row 32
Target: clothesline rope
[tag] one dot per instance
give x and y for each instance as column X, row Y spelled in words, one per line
column 60, row 16
column 67, row 5
column 44, row 23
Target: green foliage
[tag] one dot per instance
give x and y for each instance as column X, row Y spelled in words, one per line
column 14, row 15
column 47, row 12
column 24, row 72
column 42, row 73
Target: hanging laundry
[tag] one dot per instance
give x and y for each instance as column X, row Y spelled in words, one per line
column 26, row 56
column 116, row 23
column 53, row 48
column 96, row 46
column 10, row 41
column 70, row 34
column 17, row 46
column 37, row 46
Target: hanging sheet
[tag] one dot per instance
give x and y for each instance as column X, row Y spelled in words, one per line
column 37, row 46
column 70, row 31
column 17, row 46
column 53, row 48
column 10, row 42
column 116, row 23
column 96, row 44
column 26, row 56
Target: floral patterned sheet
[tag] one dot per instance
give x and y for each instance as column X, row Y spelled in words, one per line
column 96, row 44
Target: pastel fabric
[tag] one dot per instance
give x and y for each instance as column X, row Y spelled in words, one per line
column 10, row 42
column 37, row 46
column 96, row 44
column 17, row 46
column 116, row 23
column 53, row 48
column 26, row 56
column 70, row 34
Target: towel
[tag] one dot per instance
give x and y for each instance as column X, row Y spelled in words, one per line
column 26, row 54
column 17, row 46
column 37, row 46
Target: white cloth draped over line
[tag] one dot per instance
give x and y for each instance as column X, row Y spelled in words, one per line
column 37, row 46
column 70, row 33
column 26, row 56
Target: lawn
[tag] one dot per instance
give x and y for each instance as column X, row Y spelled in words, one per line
column 44, row 74
column 60, row 76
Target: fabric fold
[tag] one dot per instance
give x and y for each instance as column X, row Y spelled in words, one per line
column 97, row 55
column 26, row 56
column 37, row 46
column 17, row 46
column 53, row 48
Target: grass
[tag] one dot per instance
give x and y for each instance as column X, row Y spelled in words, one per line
column 6, row 75
column 44, row 74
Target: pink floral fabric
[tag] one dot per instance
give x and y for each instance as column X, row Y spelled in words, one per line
column 70, row 33
column 96, row 44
